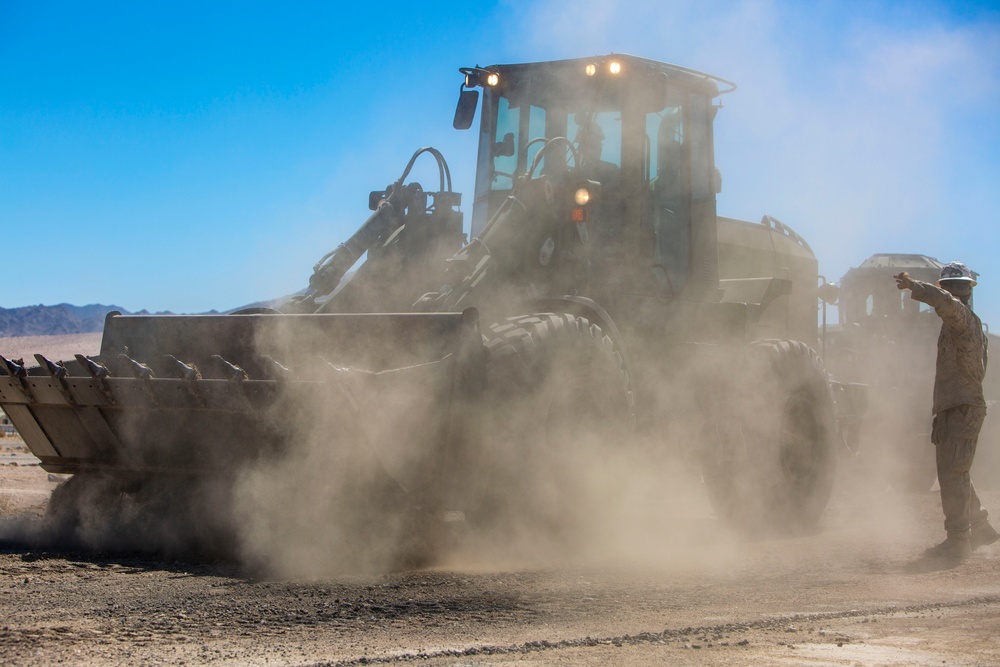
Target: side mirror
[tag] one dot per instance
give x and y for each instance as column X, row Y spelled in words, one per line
column 375, row 198
column 717, row 181
column 468, row 99
column 829, row 293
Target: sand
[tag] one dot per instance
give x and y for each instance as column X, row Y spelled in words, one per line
column 53, row 347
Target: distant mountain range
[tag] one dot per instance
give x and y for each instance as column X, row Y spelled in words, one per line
column 68, row 319
column 53, row 320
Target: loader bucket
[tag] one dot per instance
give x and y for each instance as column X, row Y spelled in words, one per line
column 211, row 392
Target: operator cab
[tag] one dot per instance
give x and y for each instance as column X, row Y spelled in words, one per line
column 640, row 128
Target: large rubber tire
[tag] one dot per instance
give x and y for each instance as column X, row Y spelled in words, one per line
column 782, row 480
column 558, row 396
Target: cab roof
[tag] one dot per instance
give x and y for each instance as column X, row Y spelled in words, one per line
column 575, row 66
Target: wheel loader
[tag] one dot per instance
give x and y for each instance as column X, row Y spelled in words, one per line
column 600, row 299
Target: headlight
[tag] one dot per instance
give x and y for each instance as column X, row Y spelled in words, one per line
column 581, row 196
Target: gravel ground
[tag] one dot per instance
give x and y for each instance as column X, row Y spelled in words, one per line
column 854, row 593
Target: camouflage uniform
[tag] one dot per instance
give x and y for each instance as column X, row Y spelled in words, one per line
column 959, row 405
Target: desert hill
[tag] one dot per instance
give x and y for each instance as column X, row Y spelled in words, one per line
column 60, row 331
column 61, row 319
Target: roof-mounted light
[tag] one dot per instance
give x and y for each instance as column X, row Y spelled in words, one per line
column 614, row 67
column 479, row 77
column 590, row 69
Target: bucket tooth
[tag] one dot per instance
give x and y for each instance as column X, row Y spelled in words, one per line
column 14, row 367
column 237, row 379
column 189, row 373
column 54, row 369
column 98, row 372
column 233, row 372
column 138, row 369
column 141, row 372
column 276, row 370
column 57, row 372
column 184, row 371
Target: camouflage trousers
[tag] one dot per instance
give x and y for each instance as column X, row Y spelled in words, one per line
column 955, row 434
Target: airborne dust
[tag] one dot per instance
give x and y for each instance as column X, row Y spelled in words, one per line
column 333, row 503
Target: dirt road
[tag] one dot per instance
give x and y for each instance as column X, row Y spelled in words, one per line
column 855, row 593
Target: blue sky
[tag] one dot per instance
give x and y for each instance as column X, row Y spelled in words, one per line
column 173, row 156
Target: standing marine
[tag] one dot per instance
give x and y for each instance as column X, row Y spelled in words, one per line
column 959, row 407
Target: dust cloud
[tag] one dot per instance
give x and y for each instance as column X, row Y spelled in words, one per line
column 555, row 484
column 104, row 513
column 561, row 478
column 541, row 491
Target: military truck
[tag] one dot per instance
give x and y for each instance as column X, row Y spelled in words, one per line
column 889, row 342
column 600, row 300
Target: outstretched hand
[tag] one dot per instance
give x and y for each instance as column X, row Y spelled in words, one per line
column 903, row 280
